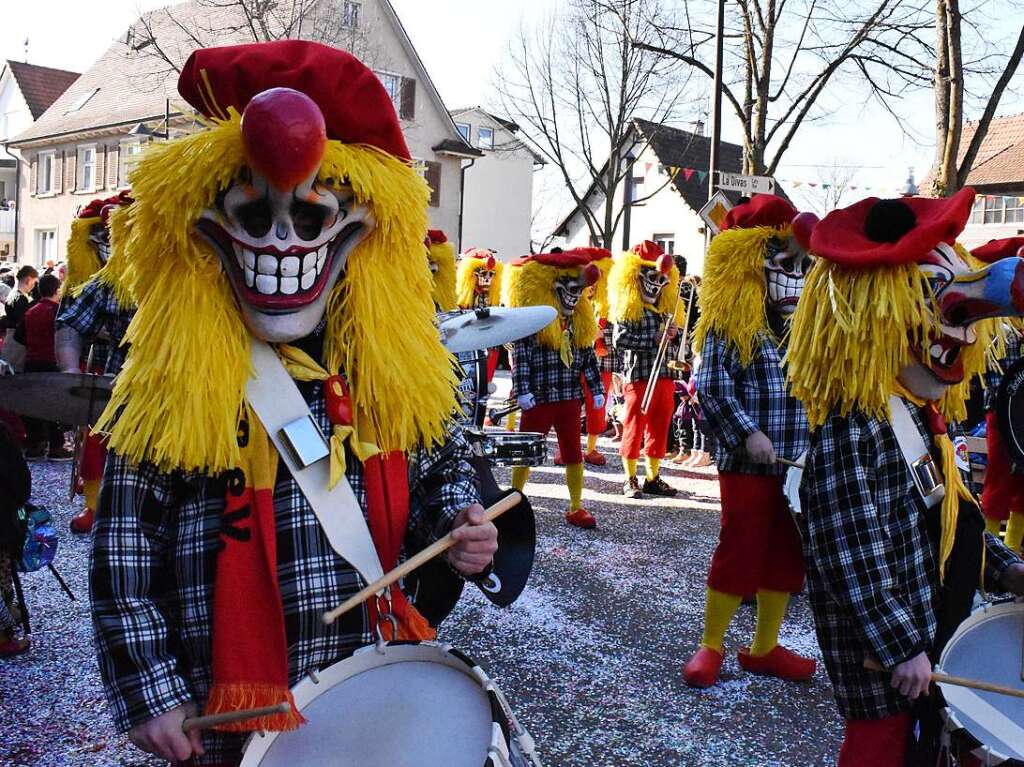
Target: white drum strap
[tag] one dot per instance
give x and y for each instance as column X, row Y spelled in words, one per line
column 277, row 402
column 926, row 473
column 972, row 705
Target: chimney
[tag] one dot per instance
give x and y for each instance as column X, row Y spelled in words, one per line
column 697, row 127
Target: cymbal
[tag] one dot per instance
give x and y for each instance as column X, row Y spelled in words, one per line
column 484, row 329
column 72, row 399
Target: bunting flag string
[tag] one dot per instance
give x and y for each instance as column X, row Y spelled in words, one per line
column 873, row 189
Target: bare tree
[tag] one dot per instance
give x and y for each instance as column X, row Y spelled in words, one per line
column 836, row 183
column 782, row 55
column 574, row 83
column 950, row 77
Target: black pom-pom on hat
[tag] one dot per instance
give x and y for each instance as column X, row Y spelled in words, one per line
column 889, row 221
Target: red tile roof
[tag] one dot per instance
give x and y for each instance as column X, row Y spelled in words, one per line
column 1001, row 157
column 40, row 86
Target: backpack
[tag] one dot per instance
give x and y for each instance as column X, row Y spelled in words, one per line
column 39, row 541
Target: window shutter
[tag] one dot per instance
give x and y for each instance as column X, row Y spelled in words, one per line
column 59, row 163
column 433, row 177
column 408, row 110
column 114, row 166
column 33, row 180
column 72, row 163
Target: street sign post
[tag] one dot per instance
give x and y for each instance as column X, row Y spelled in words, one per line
column 746, row 184
column 714, row 211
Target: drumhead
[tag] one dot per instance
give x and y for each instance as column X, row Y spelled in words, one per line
column 988, row 647
column 411, row 706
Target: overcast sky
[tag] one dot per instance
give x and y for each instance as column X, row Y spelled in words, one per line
column 462, row 41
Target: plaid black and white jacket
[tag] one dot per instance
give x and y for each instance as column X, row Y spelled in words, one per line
column 611, row 362
column 737, row 401
column 872, row 569
column 153, row 564
column 995, row 377
column 96, row 311
column 637, row 343
column 539, row 371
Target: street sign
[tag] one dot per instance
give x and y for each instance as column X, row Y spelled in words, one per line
column 748, row 185
column 714, row 211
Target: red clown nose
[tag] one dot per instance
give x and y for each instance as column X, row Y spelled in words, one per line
column 284, row 135
column 590, row 275
column 664, row 263
column 802, row 227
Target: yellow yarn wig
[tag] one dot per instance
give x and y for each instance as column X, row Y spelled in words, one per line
column 82, row 262
column 732, row 292
column 115, row 272
column 465, row 281
column 849, row 340
column 626, row 303
column 533, row 284
column 443, row 254
column 178, row 399
column 600, row 297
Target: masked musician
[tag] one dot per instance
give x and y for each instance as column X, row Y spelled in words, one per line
column 891, row 326
column 478, row 286
column 547, row 368
column 643, row 290
column 441, row 260
column 284, row 241
column 92, row 320
column 753, row 273
column 1002, row 499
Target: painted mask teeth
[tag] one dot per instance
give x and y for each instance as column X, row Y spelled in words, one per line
column 286, row 275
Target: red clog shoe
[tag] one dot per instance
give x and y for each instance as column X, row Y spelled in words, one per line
column 581, row 518
column 703, row 668
column 595, row 458
column 81, row 523
column 780, row 662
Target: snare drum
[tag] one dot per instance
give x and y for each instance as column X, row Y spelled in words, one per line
column 420, row 704
column 515, row 448
column 988, row 647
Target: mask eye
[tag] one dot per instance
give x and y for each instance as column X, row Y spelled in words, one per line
column 308, row 219
column 256, row 217
column 938, row 277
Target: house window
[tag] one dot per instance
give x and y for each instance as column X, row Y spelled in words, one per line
column 636, row 190
column 45, row 246
column 485, row 138
column 86, row 181
column 993, row 210
column 82, row 100
column 350, row 14
column 393, row 85
column 47, row 163
column 978, row 211
column 667, row 242
column 431, row 173
column 465, row 129
column 1013, row 210
column 130, row 152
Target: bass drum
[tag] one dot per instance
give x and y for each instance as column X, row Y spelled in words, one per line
column 473, row 387
column 418, row 704
column 987, row 647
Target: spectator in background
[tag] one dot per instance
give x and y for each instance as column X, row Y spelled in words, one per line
column 35, row 333
column 15, row 307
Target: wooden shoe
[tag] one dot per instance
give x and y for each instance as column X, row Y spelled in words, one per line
column 780, row 662
column 581, row 518
column 703, row 669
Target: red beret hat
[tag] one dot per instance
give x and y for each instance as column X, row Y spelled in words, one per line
column 993, row 250
column 762, row 210
column 648, row 251
column 355, row 106
column 568, row 259
column 435, row 237
column 874, row 232
column 93, row 209
column 101, row 208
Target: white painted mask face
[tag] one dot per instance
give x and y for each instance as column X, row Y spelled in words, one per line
column 652, row 282
column 99, row 239
column 785, row 270
column 284, row 249
column 484, row 278
column 569, row 290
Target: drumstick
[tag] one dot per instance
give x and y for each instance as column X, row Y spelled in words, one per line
column 228, row 717
column 975, row 684
column 510, row 501
column 787, row 462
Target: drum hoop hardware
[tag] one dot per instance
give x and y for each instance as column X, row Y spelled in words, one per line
column 384, row 613
column 522, row 736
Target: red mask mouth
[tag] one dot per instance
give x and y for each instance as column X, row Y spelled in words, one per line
column 944, row 359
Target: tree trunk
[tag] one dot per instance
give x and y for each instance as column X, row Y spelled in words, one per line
column 941, row 94
column 948, row 168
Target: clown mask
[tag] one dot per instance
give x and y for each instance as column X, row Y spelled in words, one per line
column 282, row 234
column 786, row 265
column 569, row 288
column 99, row 239
column 484, row 277
column 654, row 278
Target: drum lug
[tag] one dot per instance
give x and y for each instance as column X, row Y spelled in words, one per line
column 523, row 738
column 313, row 676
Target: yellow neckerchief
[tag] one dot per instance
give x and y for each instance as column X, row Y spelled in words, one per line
column 302, row 367
column 565, row 348
column 955, row 488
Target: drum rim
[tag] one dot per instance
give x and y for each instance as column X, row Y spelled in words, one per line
column 362, row 660
column 986, row 611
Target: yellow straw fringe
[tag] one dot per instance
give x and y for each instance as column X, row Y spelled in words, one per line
column 177, row 401
column 82, row 262
column 443, row 254
column 732, row 292
column 625, row 301
column 533, row 284
column 465, row 281
column 600, row 297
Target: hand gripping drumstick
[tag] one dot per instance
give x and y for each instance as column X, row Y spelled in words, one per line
column 872, row 665
column 787, row 462
column 228, row 717
column 508, row 502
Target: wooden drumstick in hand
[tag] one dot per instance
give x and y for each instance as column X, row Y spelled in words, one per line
column 510, row 501
column 975, row 684
column 229, row 717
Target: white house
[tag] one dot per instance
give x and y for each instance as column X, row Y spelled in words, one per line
column 498, row 194
column 85, row 144
column 667, row 201
column 26, row 91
